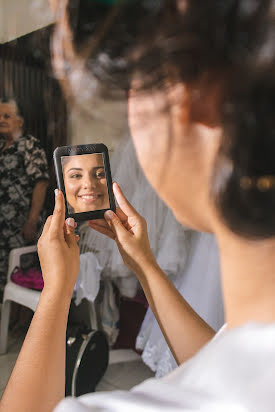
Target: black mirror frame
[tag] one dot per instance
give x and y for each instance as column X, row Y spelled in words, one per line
column 83, row 150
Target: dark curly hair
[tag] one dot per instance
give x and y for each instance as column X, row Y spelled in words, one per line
column 182, row 40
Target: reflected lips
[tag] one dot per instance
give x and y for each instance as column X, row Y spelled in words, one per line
column 90, row 198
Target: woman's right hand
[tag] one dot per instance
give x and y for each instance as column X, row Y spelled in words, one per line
column 129, row 230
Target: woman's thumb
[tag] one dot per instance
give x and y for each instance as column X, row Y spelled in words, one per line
column 69, row 231
column 114, row 222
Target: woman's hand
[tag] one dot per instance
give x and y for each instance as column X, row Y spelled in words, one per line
column 58, row 250
column 38, row 378
column 129, row 230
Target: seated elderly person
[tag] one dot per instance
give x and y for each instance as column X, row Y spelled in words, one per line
column 23, row 184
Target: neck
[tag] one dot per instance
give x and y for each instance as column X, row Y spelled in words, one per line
column 248, row 278
column 10, row 138
column 17, row 134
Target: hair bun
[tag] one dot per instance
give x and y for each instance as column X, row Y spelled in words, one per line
column 246, row 194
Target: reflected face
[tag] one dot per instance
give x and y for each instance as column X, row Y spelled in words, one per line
column 85, row 182
column 10, row 122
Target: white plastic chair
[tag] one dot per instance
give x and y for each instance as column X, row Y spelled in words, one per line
column 24, row 296
column 15, row 293
column 29, row 298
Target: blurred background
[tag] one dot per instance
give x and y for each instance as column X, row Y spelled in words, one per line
column 26, row 74
column 107, row 296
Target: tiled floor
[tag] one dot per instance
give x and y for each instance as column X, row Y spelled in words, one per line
column 124, row 375
column 125, row 370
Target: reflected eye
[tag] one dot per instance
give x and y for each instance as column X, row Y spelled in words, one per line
column 100, row 174
column 76, row 176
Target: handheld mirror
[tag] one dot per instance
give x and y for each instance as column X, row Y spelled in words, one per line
column 83, row 174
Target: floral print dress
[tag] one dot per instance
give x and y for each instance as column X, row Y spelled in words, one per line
column 22, row 165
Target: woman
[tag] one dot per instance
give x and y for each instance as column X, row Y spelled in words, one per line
column 210, row 68
column 85, row 183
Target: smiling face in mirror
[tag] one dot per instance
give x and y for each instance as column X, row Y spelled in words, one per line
column 85, row 183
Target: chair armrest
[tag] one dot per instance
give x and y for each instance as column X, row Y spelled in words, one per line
column 14, row 257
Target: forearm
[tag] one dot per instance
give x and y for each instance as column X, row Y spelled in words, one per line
column 37, row 382
column 184, row 330
column 38, row 199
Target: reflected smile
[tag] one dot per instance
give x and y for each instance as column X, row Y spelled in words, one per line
column 90, row 198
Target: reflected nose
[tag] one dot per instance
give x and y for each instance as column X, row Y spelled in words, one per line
column 89, row 183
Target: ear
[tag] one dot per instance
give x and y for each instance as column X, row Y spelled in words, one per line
column 206, row 98
column 20, row 122
column 204, row 108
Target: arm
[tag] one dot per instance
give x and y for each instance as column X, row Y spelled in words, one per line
column 38, row 199
column 184, row 330
column 37, row 382
column 38, row 378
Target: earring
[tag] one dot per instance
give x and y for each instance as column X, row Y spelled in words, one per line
column 262, row 183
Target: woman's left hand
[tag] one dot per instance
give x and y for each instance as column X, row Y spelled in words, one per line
column 38, row 378
column 58, row 250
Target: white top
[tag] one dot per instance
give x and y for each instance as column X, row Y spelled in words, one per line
column 233, row 373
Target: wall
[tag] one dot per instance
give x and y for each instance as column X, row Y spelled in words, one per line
column 19, row 17
column 108, row 129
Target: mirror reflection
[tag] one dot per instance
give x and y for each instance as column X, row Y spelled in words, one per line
column 85, row 183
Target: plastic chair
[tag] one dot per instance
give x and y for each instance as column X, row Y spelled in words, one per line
column 24, row 296
column 15, row 293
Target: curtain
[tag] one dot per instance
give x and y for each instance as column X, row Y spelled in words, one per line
column 26, row 75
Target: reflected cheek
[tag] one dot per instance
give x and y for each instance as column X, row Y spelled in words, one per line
column 72, row 189
column 103, row 186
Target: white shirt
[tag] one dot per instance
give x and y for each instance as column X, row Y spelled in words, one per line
column 235, row 372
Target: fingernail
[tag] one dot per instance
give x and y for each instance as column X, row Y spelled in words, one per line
column 56, row 191
column 70, row 222
column 108, row 215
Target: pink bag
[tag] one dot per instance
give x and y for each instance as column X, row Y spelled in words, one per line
column 30, row 278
